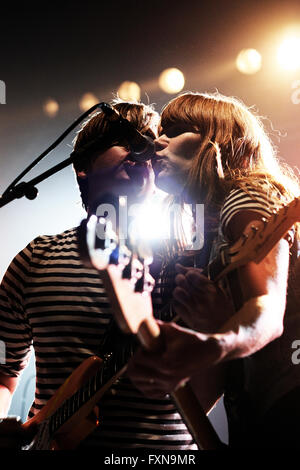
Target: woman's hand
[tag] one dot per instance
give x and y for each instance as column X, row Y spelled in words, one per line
column 201, row 304
column 182, row 353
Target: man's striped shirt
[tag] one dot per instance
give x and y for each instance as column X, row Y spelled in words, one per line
column 51, row 301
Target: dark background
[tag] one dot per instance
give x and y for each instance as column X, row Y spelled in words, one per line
column 63, row 50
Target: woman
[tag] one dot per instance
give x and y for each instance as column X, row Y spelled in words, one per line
column 213, row 150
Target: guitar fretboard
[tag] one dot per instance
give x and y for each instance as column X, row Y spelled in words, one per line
column 115, row 351
column 85, row 393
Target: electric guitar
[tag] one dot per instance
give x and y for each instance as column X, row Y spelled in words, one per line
column 257, row 240
column 71, row 414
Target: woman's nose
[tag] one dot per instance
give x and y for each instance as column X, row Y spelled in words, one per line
column 161, row 142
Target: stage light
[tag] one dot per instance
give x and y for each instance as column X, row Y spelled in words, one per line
column 149, row 223
column 248, row 61
column 171, row 80
column 51, row 107
column 155, row 220
column 288, row 54
column 87, row 101
column 129, row 91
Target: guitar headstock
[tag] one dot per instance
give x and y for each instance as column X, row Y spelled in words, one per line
column 259, row 237
column 124, row 270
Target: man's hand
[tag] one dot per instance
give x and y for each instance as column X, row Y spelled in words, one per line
column 13, row 435
column 201, row 304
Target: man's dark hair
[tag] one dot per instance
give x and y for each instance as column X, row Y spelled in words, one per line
column 142, row 116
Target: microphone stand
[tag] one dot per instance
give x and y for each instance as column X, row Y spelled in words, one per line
column 28, row 189
column 17, row 191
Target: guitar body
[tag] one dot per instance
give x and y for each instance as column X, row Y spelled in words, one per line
column 80, row 424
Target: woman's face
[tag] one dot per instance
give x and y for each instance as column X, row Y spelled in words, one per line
column 176, row 148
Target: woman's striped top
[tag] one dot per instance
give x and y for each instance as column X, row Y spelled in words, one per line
column 258, row 200
column 269, row 373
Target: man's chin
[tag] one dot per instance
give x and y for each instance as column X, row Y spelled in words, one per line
column 169, row 185
column 160, row 180
column 141, row 189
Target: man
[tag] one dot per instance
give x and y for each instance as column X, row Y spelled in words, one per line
column 50, row 300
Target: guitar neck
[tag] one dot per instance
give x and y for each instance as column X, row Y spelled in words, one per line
column 91, row 391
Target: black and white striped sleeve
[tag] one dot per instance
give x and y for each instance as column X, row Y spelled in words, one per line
column 250, row 199
column 15, row 333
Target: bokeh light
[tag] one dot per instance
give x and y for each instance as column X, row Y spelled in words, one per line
column 51, row 107
column 87, row 101
column 171, row 80
column 129, row 91
column 248, row 61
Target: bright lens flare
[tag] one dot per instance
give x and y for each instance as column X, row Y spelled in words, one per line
column 150, row 222
column 156, row 221
column 289, row 53
column 171, row 80
column 248, row 61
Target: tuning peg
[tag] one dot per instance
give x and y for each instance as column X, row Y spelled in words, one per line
column 254, row 229
column 125, row 254
column 114, row 256
column 140, row 284
column 127, row 271
column 274, row 215
column 149, row 283
column 263, row 228
column 145, row 282
column 265, row 222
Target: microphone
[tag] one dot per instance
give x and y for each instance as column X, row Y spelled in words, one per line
column 142, row 147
